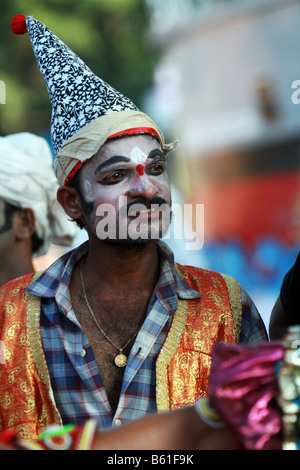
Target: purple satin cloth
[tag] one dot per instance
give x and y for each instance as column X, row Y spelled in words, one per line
column 244, row 389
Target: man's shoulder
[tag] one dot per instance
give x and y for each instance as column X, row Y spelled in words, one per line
column 14, row 290
column 193, row 270
column 13, row 301
column 198, row 275
column 14, row 285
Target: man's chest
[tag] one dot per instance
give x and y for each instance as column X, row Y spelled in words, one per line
column 83, row 376
column 111, row 338
column 105, row 354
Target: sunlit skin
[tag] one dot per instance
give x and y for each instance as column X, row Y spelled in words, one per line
column 180, row 429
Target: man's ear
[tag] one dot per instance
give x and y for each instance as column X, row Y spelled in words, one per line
column 69, row 200
column 24, row 223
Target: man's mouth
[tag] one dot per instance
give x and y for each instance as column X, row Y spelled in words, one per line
column 144, row 211
column 148, row 211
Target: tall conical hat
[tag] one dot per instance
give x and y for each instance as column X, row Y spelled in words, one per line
column 86, row 111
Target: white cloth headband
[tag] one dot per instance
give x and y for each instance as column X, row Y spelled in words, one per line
column 27, row 180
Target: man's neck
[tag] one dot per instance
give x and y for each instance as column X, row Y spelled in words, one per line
column 116, row 266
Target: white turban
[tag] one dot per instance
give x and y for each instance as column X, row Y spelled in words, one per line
column 27, row 180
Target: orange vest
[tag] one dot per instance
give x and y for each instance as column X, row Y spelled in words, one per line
column 183, row 366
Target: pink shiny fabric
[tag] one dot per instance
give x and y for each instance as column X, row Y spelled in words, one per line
column 244, row 389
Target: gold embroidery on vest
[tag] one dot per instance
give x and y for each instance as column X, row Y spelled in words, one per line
column 216, row 298
column 25, row 387
column 9, row 308
column 7, row 354
column 216, row 282
column 12, row 375
column 11, row 332
column 33, row 311
column 26, row 397
column 6, row 400
column 30, row 406
column 235, row 301
column 185, row 376
column 14, row 418
column 23, row 432
column 207, row 315
column 23, row 340
column 166, row 354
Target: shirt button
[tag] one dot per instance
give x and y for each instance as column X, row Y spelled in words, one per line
column 118, row 422
column 83, row 353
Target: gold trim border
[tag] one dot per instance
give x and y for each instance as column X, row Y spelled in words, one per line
column 166, row 354
column 234, row 292
column 34, row 335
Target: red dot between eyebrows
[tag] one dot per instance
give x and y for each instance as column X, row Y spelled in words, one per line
column 140, row 169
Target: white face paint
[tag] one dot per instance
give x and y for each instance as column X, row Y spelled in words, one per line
column 138, row 156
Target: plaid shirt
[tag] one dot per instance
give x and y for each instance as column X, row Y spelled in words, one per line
column 75, row 379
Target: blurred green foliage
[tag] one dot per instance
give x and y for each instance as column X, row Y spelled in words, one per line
column 109, row 35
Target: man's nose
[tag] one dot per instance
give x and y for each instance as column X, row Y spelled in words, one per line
column 142, row 186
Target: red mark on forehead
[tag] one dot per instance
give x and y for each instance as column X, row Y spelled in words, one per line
column 140, row 169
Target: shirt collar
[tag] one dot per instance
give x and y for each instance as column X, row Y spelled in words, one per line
column 58, row 276
column 168, row 269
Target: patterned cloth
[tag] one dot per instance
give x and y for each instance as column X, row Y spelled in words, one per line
column 245, row 391
column 86, row 111
column 77, row 95
column 76, row 382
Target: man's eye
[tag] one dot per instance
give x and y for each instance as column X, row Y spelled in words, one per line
column 113, row 178
column 156, row 169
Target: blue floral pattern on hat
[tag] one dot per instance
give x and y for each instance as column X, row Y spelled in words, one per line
column 77, row 95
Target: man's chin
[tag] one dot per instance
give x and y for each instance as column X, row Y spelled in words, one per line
column 130, row 245
column 136, row 238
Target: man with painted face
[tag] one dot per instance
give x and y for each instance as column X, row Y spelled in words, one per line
column 116, row 328
column 30, row 216
column 123, row 188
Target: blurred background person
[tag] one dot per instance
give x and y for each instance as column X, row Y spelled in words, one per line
column 30, row 216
